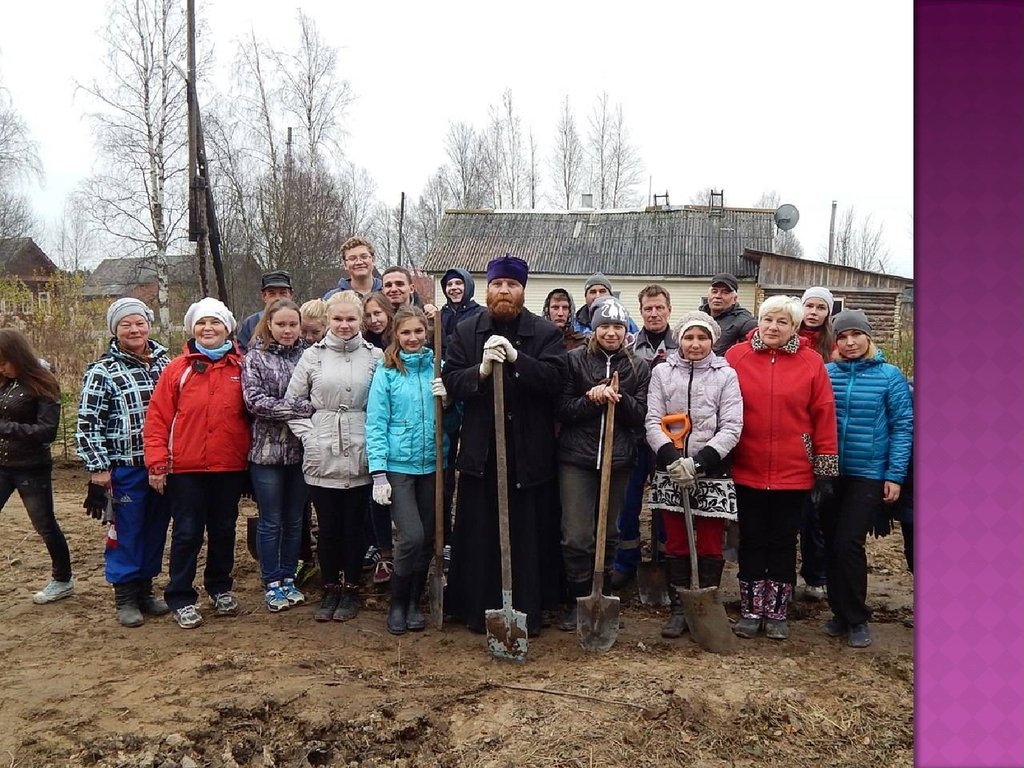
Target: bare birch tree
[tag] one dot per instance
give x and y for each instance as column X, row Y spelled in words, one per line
column 139, row 197
column 567, row 162
column 859, row 243
column 599, row 144
column 625, row 168
column 19, row 162
column 466, row 171
column 75, row 241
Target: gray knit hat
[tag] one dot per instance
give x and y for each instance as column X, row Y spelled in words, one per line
column 817, row 292
column 851, row 320
column 608, row 309
column 122, row 308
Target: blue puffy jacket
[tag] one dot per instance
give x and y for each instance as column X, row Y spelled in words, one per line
column 400, row 417
column 875, row 416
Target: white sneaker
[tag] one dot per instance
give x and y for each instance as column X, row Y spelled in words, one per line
column 814, row 593
column 55, row 590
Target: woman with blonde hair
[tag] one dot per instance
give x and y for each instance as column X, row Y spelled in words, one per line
column 334, row 376
column 787, row 445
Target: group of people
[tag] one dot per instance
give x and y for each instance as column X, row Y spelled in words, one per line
column 787, row 421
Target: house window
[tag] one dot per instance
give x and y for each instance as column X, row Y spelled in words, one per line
column 43, row 301
column 838, row 304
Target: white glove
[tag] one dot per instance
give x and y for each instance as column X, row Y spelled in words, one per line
column 496, row 342
column 492, row 355
column 437, row 390
column 682, row 472
column 381, row 490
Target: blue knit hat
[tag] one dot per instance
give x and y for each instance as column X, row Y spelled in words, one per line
column 509, row 267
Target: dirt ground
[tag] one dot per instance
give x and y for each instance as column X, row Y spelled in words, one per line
column 282, row 690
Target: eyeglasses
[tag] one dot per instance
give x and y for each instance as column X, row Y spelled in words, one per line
column 354, row 259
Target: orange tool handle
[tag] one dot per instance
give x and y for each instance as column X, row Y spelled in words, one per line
column 676, row 427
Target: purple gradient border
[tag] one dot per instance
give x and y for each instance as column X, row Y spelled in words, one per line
column 969, row 233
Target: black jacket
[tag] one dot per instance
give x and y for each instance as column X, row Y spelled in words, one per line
column 532, row 386
column 736, row 322
column 580, row 438
column 28, row 424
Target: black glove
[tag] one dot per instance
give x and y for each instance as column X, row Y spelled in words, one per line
column 667, row 454
column 95, row 501
column 823, row 491
column 883, row 522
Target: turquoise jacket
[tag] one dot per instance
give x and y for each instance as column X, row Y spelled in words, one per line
column 400, row 417
column 875, row 416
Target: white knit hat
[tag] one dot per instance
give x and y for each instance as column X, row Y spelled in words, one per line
column 126, row 307
column 701, row 320
column 209, row 307
column 817, row 292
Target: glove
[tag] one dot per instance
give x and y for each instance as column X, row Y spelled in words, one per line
column 882, row 524
column 437, row 388
column 492, row 355
column 495, row 342
column 95, row 501
column 381, row 490
column 823, row 491
column 682, row 472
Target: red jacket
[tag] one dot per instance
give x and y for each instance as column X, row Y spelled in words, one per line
column 789, row 416
column 196, row 421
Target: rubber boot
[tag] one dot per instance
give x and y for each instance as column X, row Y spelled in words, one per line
column 328, row 603
column 415, row 621
column 127, row 602
column 149, row 603
column 709, row 571
column 569, row 618
column 777, row 595
column 399, row 606
column 677, row 575
column 751, row 608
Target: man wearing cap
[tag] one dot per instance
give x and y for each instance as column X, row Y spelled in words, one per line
column 274, row 285
column 116, row 391
column 358, row 255
column 721, row 303
column 534, row 367
column 597, row 285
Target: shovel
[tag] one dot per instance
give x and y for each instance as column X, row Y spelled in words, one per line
column 506, row 627
column 705, row 614
column 597, row 616
column 435, row 579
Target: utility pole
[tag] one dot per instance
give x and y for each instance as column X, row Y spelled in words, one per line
column 832, row 234
column 401, row 221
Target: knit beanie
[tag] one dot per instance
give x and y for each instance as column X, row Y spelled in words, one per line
column 817, row 292
column 508, row 267
column 597, row 279
column 700, row 320
column 122, row 308
column 851, row 320
column 209, row 307
column 608, row 310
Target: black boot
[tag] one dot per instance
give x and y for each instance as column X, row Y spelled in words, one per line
column 677, row 574
column 397, row 621
column 349, row 602
column 328, row 603
column 414, row 619
column 709, row 571
column 127, row 601
column 149, row 603
column 569, row 618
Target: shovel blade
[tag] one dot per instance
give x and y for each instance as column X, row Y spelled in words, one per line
column 651, row 585
column 435, row 592
column 506, row 633
column 706, row 620
column 597, row 622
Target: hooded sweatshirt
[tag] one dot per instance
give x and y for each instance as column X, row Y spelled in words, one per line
column 570, row 335
column 452, row 314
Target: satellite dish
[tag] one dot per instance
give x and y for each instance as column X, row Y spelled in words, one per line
column 786, row 217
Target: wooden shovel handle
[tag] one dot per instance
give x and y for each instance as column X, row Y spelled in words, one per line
column 606, row 479
column 439, row 447
column 498, row 381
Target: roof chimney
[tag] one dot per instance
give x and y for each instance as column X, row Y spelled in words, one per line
column 587, row 200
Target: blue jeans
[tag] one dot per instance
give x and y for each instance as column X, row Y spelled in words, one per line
column 281, row 495
column 141, row 518
column 35, row 486
column 201, row 502
column 627, row 555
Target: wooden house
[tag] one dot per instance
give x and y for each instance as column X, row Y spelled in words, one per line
column 23, row 260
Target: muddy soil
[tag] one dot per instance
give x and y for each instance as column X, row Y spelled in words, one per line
column 266, row 690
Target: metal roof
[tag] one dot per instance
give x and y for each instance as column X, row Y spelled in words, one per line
column 690, row 241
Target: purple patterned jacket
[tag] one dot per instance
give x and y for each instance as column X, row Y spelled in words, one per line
column 266, row 371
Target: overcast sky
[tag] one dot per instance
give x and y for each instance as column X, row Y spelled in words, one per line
column 812, row 99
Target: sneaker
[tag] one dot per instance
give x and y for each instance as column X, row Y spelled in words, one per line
column 225, row 604
column 275, row 598
column 835, row 627
column 446, row 554
column 371, row 558
column 812, row 592
column 55, row 590
column 859, row 636
column 188, row 617
column 307, row 570
column 382, row 571
column 292, row 594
